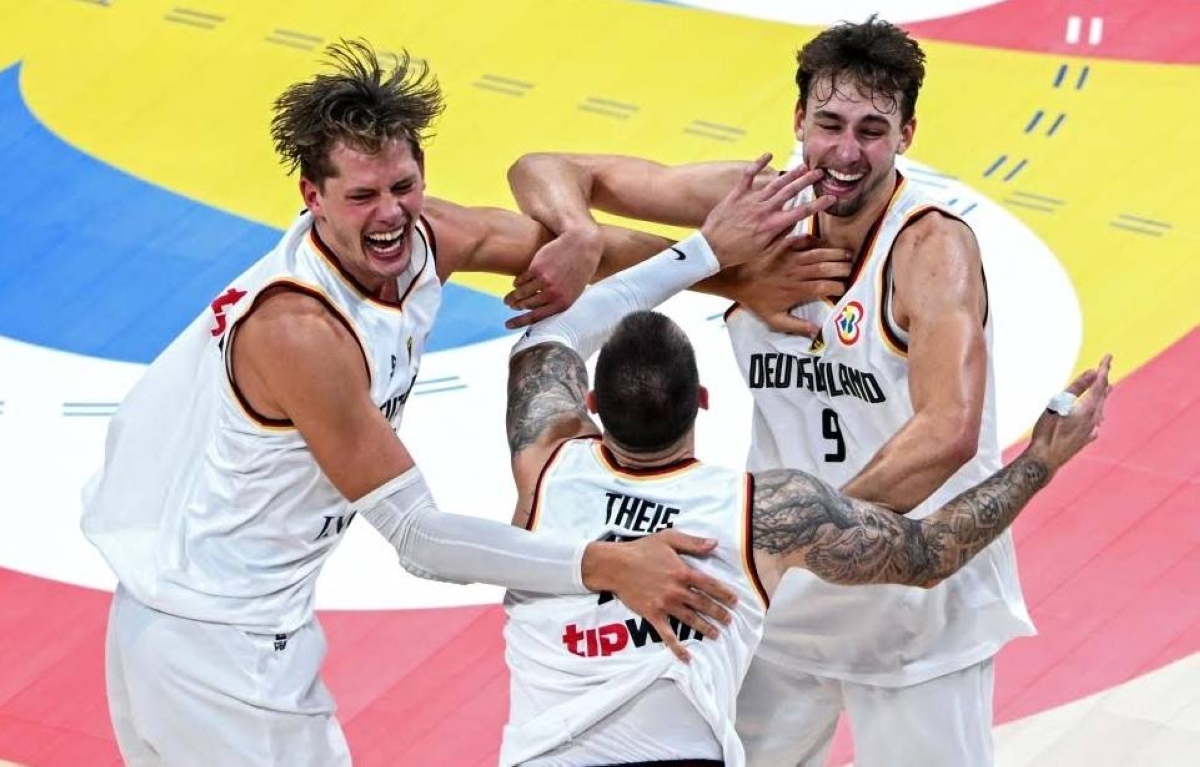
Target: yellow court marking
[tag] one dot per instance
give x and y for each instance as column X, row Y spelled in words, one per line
column 188, row 108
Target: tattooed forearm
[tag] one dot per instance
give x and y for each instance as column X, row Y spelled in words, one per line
column 809, row 524
column 545, row 383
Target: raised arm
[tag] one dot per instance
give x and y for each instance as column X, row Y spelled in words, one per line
column 800, row 521
column 560, row 191
column 941, row 301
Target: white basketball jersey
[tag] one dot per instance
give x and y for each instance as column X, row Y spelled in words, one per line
column 826, row 407
column 576, row 659
column 207, row 510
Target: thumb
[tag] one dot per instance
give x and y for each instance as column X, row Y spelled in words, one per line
column 689, row 544
column 784, row 322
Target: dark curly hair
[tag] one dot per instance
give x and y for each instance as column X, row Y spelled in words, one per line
column 359, row 103
column 876, row 56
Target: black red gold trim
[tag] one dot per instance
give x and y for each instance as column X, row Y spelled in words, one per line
column 358, row 287
column 748, row 542
column 864, row 251
column 431, row 243
column 732, row 308
column 614, row 466
column 260, row 419
column 535, row 505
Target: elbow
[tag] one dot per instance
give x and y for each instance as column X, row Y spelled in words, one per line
column 960, row 443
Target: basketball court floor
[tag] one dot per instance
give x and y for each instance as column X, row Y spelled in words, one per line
column 139, row 177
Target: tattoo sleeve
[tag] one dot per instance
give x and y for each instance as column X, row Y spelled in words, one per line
column 546, row 385
column 809, row 524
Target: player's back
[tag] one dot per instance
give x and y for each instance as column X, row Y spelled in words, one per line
column 576, row 660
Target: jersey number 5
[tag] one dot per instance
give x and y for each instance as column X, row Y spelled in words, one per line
column 833, row 431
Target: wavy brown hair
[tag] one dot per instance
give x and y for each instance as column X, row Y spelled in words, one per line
column 877, row 57
column 359, row 103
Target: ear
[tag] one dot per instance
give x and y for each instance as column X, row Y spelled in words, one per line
column 906, row 136
column 589, row 400
column 798, row 121
column 703, row 398
column 311, row 194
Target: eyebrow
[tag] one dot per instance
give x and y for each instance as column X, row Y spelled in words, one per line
column 824, row 114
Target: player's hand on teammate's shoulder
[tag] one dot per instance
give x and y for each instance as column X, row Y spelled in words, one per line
column 806, row 271
column 651, row 579
column 752, row 222
column 1056, row 437
column 556, row 276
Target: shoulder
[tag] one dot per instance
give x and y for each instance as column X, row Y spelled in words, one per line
column 936, row 231
column 286, row 322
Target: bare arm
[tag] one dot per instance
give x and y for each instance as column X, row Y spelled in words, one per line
column 547, row 384
column 800, row 521
column 560, row 190
column 293, row 360
column 941, row 301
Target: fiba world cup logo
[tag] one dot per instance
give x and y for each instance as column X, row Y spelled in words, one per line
column 849, row 322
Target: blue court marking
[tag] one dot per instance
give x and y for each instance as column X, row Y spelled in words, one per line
column 1062, row 71
column 1082, row 77
column 992, row 169
column 1057, row 122
column 102, row 263
column 1037, row 117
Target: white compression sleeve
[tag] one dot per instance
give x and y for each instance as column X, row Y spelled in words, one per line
column 452, row 547
column 587, row 324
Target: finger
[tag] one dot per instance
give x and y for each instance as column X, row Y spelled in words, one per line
column 520, row 321
column 784, row 322
column 789, row 217
column 710, row 610
column 747, row 181
column 688, row 544
column 712, row 588
column 806, row 249
column 827, row 288
column 822, row 270
column 793, row 182
column 525, row 277
column 537, row 315
column 688, row 616
column 535, row 301
column 670, row 640
column 787, row 185
column 524, row 291
column 1081, row 384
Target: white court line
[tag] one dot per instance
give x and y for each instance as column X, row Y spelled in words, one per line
column 1095, row 30
column 1074, row 24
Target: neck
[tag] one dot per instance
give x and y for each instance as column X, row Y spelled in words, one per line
column 850, row 232
column 681, row 451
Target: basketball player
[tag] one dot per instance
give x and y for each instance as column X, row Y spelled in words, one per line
column 590, row 683
column 229, row 466
column 891, row 399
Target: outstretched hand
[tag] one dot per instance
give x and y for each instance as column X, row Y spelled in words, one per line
column 751, row 222
column 1058, row 438
column 556, row 276
column 806, row 271
column 651, row 579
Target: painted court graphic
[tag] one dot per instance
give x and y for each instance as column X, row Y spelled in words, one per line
column 140, row 179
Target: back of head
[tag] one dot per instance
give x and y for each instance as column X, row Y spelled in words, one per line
column 877, row 57
column 359, row 103
column 647, row 385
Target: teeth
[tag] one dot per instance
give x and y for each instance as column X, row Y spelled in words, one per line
column 844, row 176
column 386, row 237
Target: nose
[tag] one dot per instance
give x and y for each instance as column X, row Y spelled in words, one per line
column 847, row 150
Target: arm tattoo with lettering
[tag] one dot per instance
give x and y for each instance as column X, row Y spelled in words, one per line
column 842, row 540
column 546, row 384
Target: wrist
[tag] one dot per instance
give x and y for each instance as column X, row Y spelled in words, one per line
column 1040, row 454
column 600, row 562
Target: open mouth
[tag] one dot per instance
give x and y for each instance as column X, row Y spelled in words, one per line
column 385, row 245
column 840, row 184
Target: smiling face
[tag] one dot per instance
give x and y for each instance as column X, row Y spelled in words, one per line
column 854, row 137
column 367, row 210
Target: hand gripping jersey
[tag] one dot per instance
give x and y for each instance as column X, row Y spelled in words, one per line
column 576, row 659
column 207, row 510
column 826, row 407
